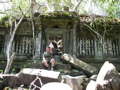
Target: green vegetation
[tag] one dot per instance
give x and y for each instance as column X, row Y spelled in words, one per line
column 19, row 7
column 48, row 7
column 4, row 21
column 111, row 7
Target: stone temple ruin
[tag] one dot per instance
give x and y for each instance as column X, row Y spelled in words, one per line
column 72, row 32
column 72, row 35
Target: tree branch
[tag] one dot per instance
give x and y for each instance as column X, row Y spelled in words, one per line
column 3, row 13
column 9, row 60
column 79, row 2
column 92, row 29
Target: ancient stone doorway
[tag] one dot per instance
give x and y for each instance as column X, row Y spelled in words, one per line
column 59, row 36
column 55, row 41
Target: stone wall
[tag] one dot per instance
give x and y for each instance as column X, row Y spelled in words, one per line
column 89, row 43
column 77, row 40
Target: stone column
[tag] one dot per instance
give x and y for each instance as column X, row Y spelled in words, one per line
column 38, row 45
column 38, row 38
column 119, row 42
column 74, row 39
column 71, row 42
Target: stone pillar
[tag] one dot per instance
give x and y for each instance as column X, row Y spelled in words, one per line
column 119, row 43
column 38, row 45
column 38, row 38
column 74, row 39
column 71, row 42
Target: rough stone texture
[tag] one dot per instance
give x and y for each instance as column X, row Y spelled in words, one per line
column 109, row 74
column 9, row 80
column 72, row 72
column 57, row 66
column 65, row 72
column 38, row 46
column 37, row 65
column 93, row 77
column 108, row 78
column 27, row 75
column 88, row 69
column 1, row 82
column 93, row 86
column 63, row 66
column 104, row 70
column 75, row 73
column 77, row 83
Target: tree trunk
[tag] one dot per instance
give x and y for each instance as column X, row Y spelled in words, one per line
column 9, row 60
column 75, row 8
column 8, row 66
column 32, row 22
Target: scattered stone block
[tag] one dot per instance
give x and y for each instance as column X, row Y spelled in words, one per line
column 65, row 72
column 56, row 86
column 93, row 86
column 93, row 77
column 109, row 74
column 86, row 68
column 76, row 83
column 75, row 73
column 107, row 79
column 10, row 80
column 104, row 71
column 27, row 75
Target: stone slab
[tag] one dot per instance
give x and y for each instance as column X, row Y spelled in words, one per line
column 79, row 64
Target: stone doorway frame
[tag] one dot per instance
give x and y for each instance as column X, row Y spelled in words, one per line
column 58, row 31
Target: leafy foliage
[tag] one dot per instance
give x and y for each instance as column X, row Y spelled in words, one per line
column 45, row 7
column 4, row 21
column 112, row 7
column 19, row 7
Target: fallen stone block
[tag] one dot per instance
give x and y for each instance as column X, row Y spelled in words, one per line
column 9, row 80
column 107, row 79
column 76, row 73
column 27, row 75
column 93, row 86
column 86, row 68
column 93, row 77
column 76, row 83
column 109, row 73
column 56, row 86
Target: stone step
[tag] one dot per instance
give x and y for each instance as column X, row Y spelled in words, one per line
column 58, row 66
column 63, row 66
column 64, row 69
column 72, row 72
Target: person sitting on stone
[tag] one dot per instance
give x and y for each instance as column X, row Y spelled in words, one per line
column 48, row 60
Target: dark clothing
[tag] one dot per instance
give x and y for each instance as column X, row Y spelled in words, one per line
column 55, row 52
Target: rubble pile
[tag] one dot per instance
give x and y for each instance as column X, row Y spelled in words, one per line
column 85, row 77
column 107, row 79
